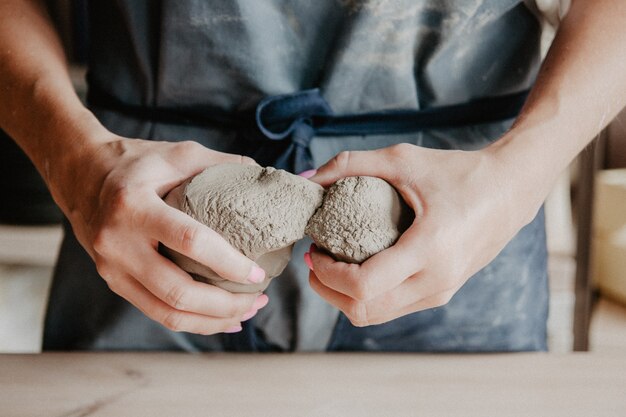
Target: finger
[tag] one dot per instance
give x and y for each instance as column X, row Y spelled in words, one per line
column 381, row 310
column 176, row 197
column 417, row 293
column 181, row 233
column 230, row 158
column 353, row 163
column 334, row 298
column 176, row 288
column 198, row 157
column 179, row 290
column 433, row 301
column 386, row 163
column 377, row 275
column 189, row 159
column 176, row 320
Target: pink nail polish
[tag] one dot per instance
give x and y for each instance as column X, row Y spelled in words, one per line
column 233, row 329
column 257, row 275
column 308, row 173
column 307, row 260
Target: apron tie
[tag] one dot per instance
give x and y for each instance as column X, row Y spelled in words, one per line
column 279, row 130
column 290, row 117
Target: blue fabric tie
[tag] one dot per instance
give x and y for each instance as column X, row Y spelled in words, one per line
column 289, row 118
column 279, row 130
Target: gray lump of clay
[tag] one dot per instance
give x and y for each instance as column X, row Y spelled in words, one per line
column 359, row 217
column 260, row 211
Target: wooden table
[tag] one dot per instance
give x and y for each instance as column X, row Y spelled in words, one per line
column 178, row 385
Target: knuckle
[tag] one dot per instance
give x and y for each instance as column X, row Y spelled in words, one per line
column 104, row 270
column 176, row 297
column 112, row 280
column 342, row 160
column 102, row 242
column 232, row 310
column 357, row 313
column 173, row 320
column 114, row 285
column 138, row 218
column 361, row 288
column 450, row 277
column 235, row 308
column 244, row 306
column 399, row 149
column 188, row 147
column 403, row 167
column 190, row 240
column 361, row 291
column 442, row 299
column 120, row 199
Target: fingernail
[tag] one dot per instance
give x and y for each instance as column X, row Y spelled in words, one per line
column 260, row 302
column 257, row 275
column 249, row 315
column 313, row 247
column 233, row 329
column 308, row 173
column 307, row 260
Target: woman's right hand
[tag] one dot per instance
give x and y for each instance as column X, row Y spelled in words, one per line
column 112, row 196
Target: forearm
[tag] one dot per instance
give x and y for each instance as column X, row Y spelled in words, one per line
column 38, row 106
column 580, row 88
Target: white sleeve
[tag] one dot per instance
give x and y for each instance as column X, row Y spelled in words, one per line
column 551, row 10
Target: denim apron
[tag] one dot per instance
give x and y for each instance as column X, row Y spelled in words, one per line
column 291, row 84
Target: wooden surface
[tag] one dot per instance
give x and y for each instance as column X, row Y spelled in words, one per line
column 96, row 384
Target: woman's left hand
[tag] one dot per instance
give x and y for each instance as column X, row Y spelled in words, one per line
column 468, row 206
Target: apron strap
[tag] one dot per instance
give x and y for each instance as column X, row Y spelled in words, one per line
column 284, row 125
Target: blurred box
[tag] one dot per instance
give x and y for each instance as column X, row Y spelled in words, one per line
column 609, row 234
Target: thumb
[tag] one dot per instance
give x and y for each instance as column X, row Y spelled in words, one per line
column 353, row 163
column 389, row 164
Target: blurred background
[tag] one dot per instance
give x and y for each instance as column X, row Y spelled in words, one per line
column 586, row 223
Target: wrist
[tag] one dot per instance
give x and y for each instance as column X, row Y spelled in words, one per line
column 529, row 170
column 51, row 125
column 64, row 149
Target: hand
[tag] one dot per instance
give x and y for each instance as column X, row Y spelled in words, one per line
column 112, row 195
column 466, row 210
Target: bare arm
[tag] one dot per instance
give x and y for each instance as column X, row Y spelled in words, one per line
column 472, row 203
column 581, row 87
column 110, row 187
column 38, row 100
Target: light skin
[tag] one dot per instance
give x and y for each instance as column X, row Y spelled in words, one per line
column 111, row 188
column 469, row 204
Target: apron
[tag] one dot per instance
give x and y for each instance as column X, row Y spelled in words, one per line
column 292, row 84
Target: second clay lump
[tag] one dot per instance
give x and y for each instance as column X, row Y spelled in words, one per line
column 359, row 217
